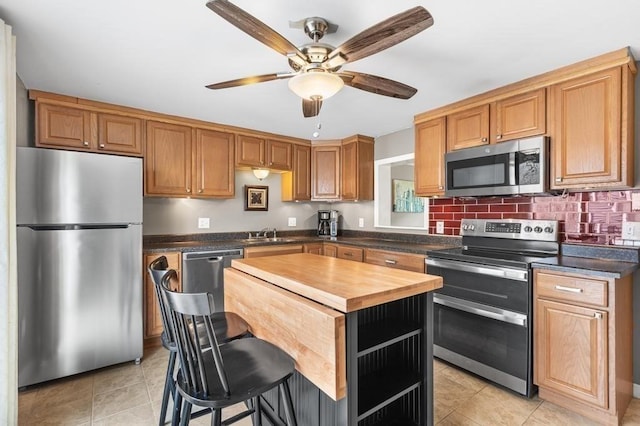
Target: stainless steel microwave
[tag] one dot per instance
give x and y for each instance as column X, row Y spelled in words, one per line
column 515, row 167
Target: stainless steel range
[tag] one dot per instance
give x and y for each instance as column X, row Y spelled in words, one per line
column 483, row 313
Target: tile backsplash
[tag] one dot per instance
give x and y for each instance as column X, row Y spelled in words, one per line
column 585, row 217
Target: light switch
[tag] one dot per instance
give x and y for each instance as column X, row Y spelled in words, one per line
column 291, row 221
column 361, row 222
column 203, row 222
column 439, row 227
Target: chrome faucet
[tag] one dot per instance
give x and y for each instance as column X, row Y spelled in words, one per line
column 264, row 231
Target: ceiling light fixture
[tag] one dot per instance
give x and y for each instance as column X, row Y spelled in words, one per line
column 316, row 84
column 260, row 173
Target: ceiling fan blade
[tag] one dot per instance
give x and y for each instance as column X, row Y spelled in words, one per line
column 311, row 108
column 381, row 36
column 257, row 29
column 378, row 85
column 249, row 80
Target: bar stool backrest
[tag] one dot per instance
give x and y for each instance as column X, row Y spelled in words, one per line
column 158, row 269
column 186, row 310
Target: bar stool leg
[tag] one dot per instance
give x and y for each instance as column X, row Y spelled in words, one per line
column 288, row 405
column 257, row 412
column 169, row 387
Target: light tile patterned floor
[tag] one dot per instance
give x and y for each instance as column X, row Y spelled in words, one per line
column 130, row 395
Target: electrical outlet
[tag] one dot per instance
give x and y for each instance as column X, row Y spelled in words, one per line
column 361, row 222
column 203, row 222
column 631, row 230
column 439, row 227
column 292, row 221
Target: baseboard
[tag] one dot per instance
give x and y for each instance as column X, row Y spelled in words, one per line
column 636, row 390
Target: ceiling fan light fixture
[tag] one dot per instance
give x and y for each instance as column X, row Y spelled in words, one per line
column 315, row 85
column 260, row 173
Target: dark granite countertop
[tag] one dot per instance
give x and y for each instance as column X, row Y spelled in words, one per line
column 601, row 261
column 383, row 243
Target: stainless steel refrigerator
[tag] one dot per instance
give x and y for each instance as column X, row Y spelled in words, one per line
column 79, row 239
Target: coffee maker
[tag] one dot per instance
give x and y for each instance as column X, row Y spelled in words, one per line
column 328, row 223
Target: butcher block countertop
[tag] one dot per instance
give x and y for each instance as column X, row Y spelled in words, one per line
column 343, row 285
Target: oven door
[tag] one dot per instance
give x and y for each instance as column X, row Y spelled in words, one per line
column 481, row 321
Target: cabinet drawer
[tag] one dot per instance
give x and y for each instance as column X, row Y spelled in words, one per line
column 350, row 253
column 572, row 288
column 406, row 261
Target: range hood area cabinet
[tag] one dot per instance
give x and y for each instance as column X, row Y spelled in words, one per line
column 342, row 171
column 586, row 109
column 64, row 125
column 181, row 161
column 256, row 151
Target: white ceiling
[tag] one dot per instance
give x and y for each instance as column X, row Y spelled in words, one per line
column 159, row 54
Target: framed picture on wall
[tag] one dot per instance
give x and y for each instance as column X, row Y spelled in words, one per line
column 256, row 198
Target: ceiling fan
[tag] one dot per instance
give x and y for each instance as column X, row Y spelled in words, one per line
column 316, row 73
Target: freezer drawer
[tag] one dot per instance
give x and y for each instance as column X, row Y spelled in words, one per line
column 79, row 300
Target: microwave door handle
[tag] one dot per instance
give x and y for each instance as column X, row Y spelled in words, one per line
column 512, row 169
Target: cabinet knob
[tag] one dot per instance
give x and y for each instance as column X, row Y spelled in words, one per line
column 498, row 137
column 101, row 145
column 188, row 190
column 484, row 139
column 597, row 315
column 200, row 191
column 85, row 143
column 558, row 179
column 441, row 187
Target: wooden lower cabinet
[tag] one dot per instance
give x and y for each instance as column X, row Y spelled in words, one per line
column 583, row 343
column 350, row 253
column 152, row 318
column 330, row 250
column 393, row 259
column 313, row 248
column 261, row 251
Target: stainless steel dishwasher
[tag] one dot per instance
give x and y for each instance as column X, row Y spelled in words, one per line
column 202, row 271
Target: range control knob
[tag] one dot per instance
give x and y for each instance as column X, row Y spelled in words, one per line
column 548, row 230
column 538, row 229
column 528, row 228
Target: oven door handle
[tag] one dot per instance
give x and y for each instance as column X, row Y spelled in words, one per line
column 508, row 273
column 481, row 310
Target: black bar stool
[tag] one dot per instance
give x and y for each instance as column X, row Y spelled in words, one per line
column 229, row 326
column 222, row 375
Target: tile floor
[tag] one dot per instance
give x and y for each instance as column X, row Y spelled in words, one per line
column 130, row 394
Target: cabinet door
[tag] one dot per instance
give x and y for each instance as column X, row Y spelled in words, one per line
column 120, row 134
column 571, row 351
column 214, row 167
column 250, row 151
column 296, row 184
column 468, row 128
column 153, row 326
column 65, row 127
column 330, row 250
column 585, row 121
column 357, row 170
column 168, row 160
column 520, row 116
column 314, row 248
column 325, row 172
column 279, row 155
column 430, row 148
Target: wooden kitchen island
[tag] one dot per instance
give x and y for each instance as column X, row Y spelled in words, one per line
column 361, row 336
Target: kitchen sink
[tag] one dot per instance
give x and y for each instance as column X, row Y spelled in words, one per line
column 256, row 240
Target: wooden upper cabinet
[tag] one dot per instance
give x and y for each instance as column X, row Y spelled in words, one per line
column 119, row 133
column 65, row 127
column 168, row 160
column 251, row 151
column 357, row 168
column 213, row 157
column 430, row 148
column 519, row 116
column 68, row 127
column 296, row 184
column 279, row 155
column 468, row 128
column 591, row 127
column 325, row 172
